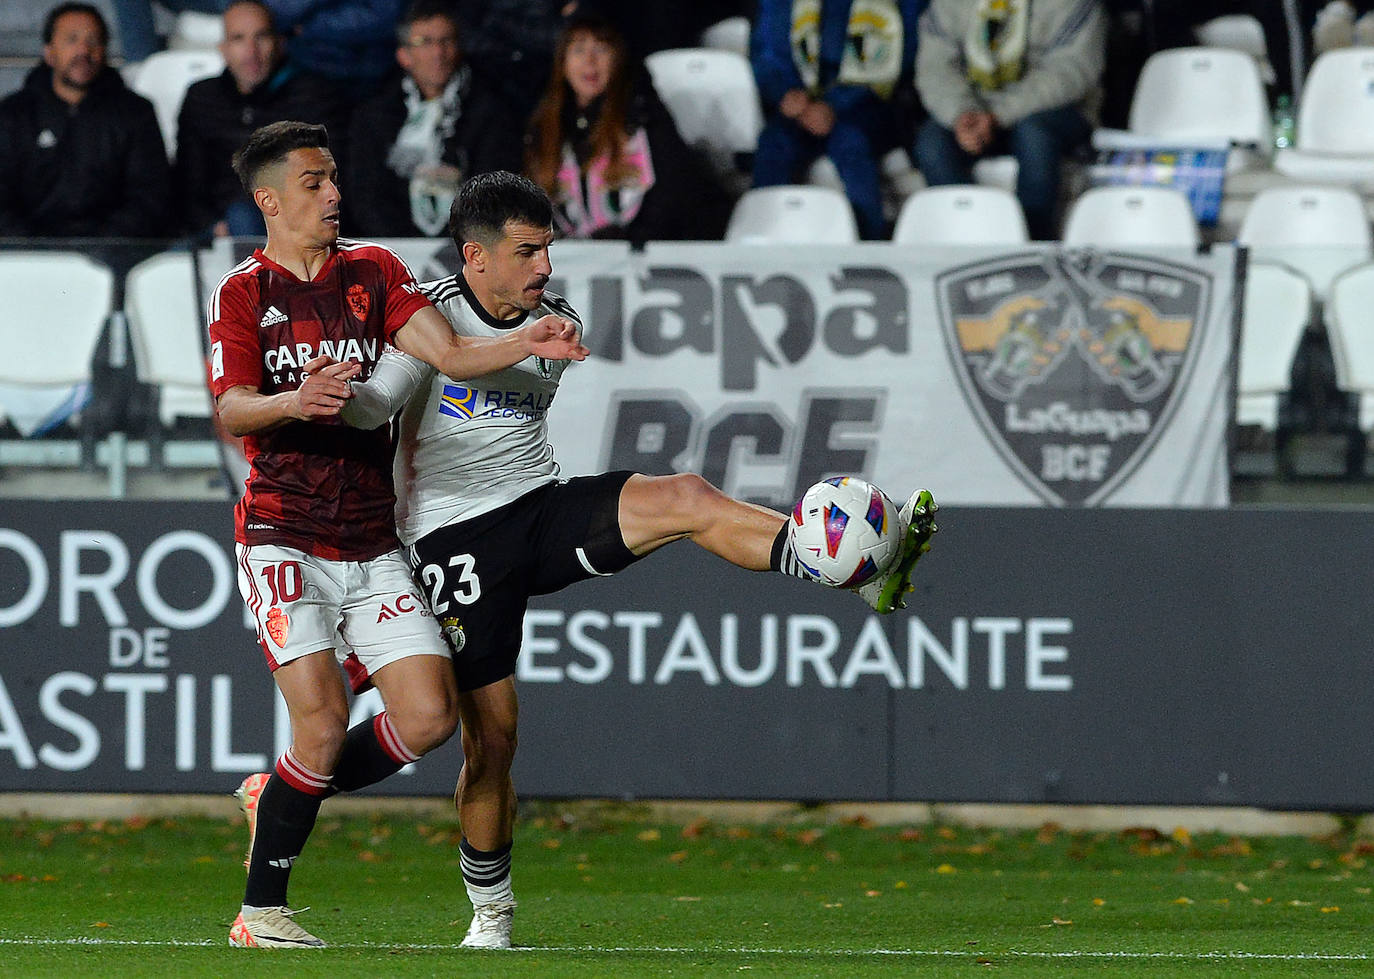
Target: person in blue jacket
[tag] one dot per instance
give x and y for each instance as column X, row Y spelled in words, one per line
column 827, row 71
column 343, row 40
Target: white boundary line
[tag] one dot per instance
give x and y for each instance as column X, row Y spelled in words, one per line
column 722, row 950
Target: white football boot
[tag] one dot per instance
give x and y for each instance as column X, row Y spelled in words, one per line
column 271, row 928
column 491, row 924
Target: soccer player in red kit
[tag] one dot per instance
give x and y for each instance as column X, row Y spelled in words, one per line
column 319, row 564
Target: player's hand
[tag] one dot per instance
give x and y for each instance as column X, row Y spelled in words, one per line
column 554, row 338
column 324, row 387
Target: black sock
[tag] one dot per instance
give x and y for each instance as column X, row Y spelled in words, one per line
column 365, row 760
column 485, row 872
column 286, row 815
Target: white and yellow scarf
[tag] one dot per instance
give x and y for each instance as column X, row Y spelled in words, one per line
column 995, row 49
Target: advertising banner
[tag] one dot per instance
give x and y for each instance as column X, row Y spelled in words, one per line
column 1109, row 655
column 1042, row 376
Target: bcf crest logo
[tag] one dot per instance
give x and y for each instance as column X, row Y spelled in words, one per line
column 1073, row 361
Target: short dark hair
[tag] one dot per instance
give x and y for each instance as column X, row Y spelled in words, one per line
column 424, row 10
column 62, row 9
column 271, row 143
column 485, row 202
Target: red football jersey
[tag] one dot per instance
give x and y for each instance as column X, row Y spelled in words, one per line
column 321, row 486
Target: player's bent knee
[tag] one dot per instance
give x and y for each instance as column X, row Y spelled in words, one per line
column 686, row 494
column 424, row 727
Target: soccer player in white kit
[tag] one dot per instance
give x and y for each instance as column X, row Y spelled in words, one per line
column 487, row 521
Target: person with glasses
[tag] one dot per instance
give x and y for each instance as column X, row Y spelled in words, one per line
column 430, row 129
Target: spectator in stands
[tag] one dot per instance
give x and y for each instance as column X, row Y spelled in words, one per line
column 1001, row 76
column 826, row 82
column 138, row 35
column 343, row 40
column 606, row 151
column 80, row 155
column 425, row 133
column 259, row 85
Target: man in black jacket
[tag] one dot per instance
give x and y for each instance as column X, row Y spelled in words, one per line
column 414, row 143
column 258, row 86
column 80, row 155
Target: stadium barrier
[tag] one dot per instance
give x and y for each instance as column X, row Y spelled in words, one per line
column 1104, row 655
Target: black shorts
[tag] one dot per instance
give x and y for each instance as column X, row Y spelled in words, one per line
column 479, row 574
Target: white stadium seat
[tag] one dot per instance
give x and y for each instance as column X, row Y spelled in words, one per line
column 1278, row 307
column 163, row 78
column 712, row 96
column 58, row 302
column 1203, row 95
column 961, row 215
column 1335, row 142
column 61, row 301
column 1238, row 32
column 165, row 322
column 1319, row 231
column 1126, row 217
column 730, row 34
column 804, row 214
column 1351, row 332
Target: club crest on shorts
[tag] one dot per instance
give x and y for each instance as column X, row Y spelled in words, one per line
column 1072, row 360
column 359, row 301
column 452, row 628
column 278, row 626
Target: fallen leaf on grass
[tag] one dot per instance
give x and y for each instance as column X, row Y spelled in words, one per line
column 1183, row 900
column 647, row 835
column 695, row 829
column 685, row 897
column 1098, row 902
column 946, row 868
column 873, row 893
column 677, row 857
column 1331, row 909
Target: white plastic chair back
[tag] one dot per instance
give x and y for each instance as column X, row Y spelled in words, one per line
column 1278, row 307
column 1320, row 231
column 1336, row 113
column 1350, row 327
column 711, row 95
column 961, row 215
column 1202, row 94
column 800, row 214
column 1143, row 217
column 163, row 78
column 165, row 323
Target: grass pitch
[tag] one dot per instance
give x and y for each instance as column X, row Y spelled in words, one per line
column 606, row 894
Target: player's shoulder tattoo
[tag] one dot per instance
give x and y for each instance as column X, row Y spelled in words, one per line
column 561, row 306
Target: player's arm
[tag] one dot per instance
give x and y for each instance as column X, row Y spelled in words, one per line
column 394, row 381
column 322, row 393
column 428, row 336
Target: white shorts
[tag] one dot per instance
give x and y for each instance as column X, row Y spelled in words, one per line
column 369, row 612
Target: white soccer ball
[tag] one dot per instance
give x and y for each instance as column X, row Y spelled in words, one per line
column 844, row 531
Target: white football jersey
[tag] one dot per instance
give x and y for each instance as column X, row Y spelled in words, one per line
column 465, row 447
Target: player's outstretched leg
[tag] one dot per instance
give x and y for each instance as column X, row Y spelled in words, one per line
column 887, row 591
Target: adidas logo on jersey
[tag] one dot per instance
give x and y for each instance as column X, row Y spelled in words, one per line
column 272, row 317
